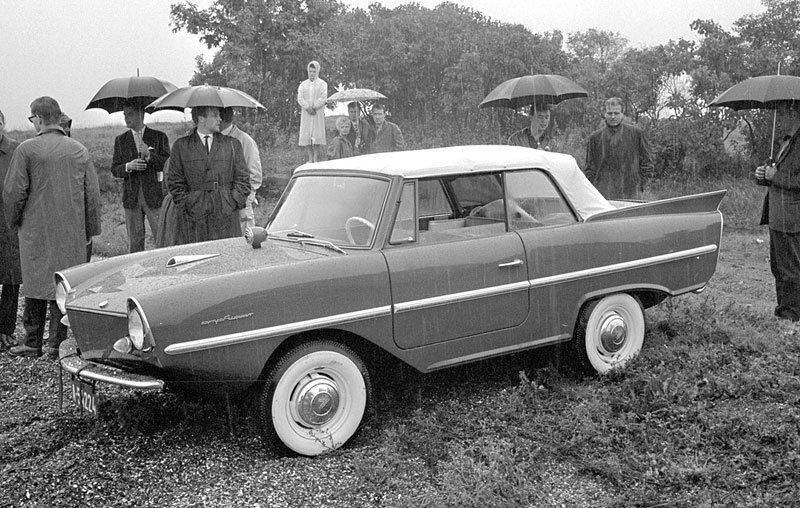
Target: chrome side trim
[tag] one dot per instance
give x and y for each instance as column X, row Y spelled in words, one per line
column 619, row 267
column 276, row 331
column 463, row 296
column 498, row 351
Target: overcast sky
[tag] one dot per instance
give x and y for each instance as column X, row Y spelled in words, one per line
column 69, row 48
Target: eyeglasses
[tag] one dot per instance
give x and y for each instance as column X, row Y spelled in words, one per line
column 30, row 118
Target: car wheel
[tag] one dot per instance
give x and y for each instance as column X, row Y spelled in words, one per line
column 315, row 398
column 609, row 334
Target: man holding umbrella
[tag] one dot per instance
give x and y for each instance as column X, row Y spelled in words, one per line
column 208, row 179
column 537, row 134
column 139, row 157
column 781, row 213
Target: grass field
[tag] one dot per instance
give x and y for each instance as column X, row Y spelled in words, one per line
column 707, row 416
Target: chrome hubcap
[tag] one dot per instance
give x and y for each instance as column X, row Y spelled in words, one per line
column 613, row 332
column 317, row 400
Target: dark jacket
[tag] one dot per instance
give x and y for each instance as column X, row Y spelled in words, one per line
column 125, row 150
column 781, row 208
column 388, row 138
column 339, row 148
column 364, row 135
column 619, row 160
column 9, row 243
column 208, row 188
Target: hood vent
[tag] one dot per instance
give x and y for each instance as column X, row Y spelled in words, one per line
column 182, row 260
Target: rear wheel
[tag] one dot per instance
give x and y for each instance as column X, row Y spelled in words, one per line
column 315, row 398
column 609, row 334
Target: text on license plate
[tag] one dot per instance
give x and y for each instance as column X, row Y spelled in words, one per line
column 83, row 395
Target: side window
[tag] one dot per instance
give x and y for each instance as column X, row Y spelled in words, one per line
column 404, row 230
column 533, row 201
column 477, row 208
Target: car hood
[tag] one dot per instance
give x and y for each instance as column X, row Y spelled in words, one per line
column 109, row 282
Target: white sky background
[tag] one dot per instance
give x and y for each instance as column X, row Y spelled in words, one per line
column 69, row 48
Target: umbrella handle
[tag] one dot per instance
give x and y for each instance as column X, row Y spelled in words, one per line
column 772, row 143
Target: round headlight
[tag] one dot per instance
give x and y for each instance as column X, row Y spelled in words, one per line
column 136, row 328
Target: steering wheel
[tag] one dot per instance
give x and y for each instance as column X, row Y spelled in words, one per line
column 354, row 221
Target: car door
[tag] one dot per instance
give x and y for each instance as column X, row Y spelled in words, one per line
column 453, row 275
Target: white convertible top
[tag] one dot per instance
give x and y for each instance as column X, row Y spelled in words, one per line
column 477, row 159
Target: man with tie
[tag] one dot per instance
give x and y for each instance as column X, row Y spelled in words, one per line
column 139, row 157
column 208, row 179
column 781, row 212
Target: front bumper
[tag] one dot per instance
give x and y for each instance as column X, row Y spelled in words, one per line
column 71, row 362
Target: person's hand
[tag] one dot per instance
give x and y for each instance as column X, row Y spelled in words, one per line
column 759, row 172
column 769, row 173
column 135, row 165
column 311, row 111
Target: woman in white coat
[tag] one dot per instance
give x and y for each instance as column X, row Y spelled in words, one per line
column 311, row 95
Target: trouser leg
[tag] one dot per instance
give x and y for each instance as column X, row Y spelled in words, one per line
column 33, row 317
column 784, row 260
column 134, row 221
column 9, row 303
column 57, row 331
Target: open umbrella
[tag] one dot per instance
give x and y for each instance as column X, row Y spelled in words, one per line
column 356, row 94
column 204, row 95
column 762, row 92
column 116, row 92
column 533, row 89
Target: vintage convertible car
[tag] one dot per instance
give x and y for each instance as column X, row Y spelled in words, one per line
column 435, row 257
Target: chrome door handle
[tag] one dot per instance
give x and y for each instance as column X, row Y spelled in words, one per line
column 516, row 262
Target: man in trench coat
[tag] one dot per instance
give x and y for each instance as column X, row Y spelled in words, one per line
column 10, row 273
column 208, row 180
column 51, row 196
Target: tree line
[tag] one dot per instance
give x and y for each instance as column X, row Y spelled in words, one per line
column 436, row 65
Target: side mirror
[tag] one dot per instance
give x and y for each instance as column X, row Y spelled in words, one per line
column 255, row 235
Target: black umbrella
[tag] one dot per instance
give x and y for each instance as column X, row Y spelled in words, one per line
column 114, row 94
column 533, row 89
column 762, row 92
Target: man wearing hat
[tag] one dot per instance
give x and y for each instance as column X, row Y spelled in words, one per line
column 139, row 157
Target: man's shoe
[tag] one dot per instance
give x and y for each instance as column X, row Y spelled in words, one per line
column 50, row 353
column 23, row 350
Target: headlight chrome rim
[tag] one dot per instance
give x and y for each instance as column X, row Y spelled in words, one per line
column 63, row 289
column 138, row 327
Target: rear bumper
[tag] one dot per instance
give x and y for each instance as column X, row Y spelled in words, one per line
column 71, row 362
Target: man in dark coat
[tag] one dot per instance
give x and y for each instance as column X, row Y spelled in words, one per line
column 361, row 132
column 10, row 274
column 208, row 179
column 139, row 157
column 782, row 213
column 387, row 136
column 618, row 157
column 537, row 134
column 51, row 196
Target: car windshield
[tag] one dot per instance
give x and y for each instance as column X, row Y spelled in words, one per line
column 341, row 209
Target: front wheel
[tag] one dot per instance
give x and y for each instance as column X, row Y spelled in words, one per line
column 315, row 398
column 609, row 333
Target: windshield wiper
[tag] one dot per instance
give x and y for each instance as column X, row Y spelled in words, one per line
column 294, row 233
column 326, row 244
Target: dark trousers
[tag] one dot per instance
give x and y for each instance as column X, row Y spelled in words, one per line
column 9, row 301
column 134, row 220
column 33, row 320
column 784, row 260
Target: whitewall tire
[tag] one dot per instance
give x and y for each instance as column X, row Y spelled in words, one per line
column 315, row 398
column 610, row 333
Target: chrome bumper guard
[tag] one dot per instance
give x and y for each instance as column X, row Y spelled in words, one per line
column 74, row 365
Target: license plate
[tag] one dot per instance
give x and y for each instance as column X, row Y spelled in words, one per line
column 84, row 396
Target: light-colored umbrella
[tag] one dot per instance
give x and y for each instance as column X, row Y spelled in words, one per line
column 533, row 89
column 116, row 92
column 204, row 95
column 356, row 95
